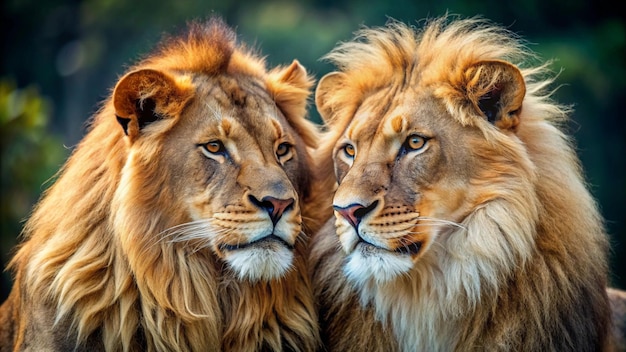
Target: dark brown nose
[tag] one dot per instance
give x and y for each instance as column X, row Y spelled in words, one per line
column 275, row 207
column 354, row 213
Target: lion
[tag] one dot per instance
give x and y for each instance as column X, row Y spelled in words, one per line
column 462, row 218
column 178, row 222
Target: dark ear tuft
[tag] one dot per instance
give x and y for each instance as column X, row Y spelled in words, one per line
column 489, row 103
column 146, row 112
column 145, row 96
column 497, row 90
column 124, row 123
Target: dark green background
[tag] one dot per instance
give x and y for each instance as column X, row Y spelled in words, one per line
column 61, row 58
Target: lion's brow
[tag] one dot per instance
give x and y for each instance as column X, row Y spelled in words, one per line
column 277, row 128
column 217, row 112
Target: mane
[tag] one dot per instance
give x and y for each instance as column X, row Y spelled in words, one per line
column 73, row 260
column 207, row 47
column 436, row 54
column 524, row 239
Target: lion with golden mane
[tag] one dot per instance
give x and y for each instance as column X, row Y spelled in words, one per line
column 176, row 225
column 462, row 219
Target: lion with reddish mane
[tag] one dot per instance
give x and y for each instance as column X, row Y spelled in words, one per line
column 462, row 219
column 159, row 233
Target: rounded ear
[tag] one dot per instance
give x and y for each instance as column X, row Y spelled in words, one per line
column 290, row 87
column 326, row 89
column 496, row 89
column 294, row 75
column 144, row 96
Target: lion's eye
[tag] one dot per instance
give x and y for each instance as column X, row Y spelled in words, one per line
column 415, row 142
column 214, row 147
column 349, row 150
column 283, row 149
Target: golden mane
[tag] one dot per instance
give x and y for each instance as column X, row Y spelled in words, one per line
column 530, row 250
column 436, row 54
column 160, row 297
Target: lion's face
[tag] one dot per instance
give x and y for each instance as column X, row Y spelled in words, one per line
column 402, row 176
column 245, row 165
column 235, row 169
column 409, row 172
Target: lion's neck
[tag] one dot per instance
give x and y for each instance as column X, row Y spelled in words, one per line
column 275, row 315
column 433, row 306
column 418, row 308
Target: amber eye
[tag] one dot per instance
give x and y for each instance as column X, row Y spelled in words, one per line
column 214, row 147
column 415, row 142
column 283, row 149
column 349, row 150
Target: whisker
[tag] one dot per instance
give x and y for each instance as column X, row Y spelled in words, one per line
column 174, row 229
column 189, row 231
column 440, row 246
column 302, row 238
column 199, row 246
column 196, row 234
column 440, row 221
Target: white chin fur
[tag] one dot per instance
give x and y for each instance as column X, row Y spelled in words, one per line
column 257, row 264
column 380, row 267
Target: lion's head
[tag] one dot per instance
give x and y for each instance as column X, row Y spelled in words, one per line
column 222, row 157
column 177, row 222
column 457, row 197
column 418, row 149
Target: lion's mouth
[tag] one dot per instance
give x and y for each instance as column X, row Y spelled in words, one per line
column 267, row 241
column 411, row 248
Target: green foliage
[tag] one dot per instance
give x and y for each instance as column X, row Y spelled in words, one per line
column 30, row 156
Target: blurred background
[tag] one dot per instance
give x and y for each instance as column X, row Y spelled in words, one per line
column 60, row 59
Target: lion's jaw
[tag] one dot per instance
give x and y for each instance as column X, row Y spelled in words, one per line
column 261, row 263
column 267, row 253
column 369, row 260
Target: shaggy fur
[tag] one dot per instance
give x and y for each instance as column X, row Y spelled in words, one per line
column 159, row 233
column 618, row 308
column 462, row 218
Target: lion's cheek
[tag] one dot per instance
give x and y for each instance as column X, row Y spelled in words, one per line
column 289, row 229
column 444, row 201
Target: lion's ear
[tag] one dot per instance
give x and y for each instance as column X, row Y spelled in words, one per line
column 144, row 96
column 294, row 75
column 496, row 89
column 290, row 87
column 326, row 89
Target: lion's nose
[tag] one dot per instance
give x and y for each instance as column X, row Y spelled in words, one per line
column 275, row 207
column 354, row 213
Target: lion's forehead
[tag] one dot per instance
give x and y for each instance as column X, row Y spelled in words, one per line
column 237, row 107
column 385, row 119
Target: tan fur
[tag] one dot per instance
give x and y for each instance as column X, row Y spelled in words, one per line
column 618, row 308
column 131, row 249
column 462, row 218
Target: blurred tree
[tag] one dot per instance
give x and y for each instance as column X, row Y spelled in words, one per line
column 30, row 156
